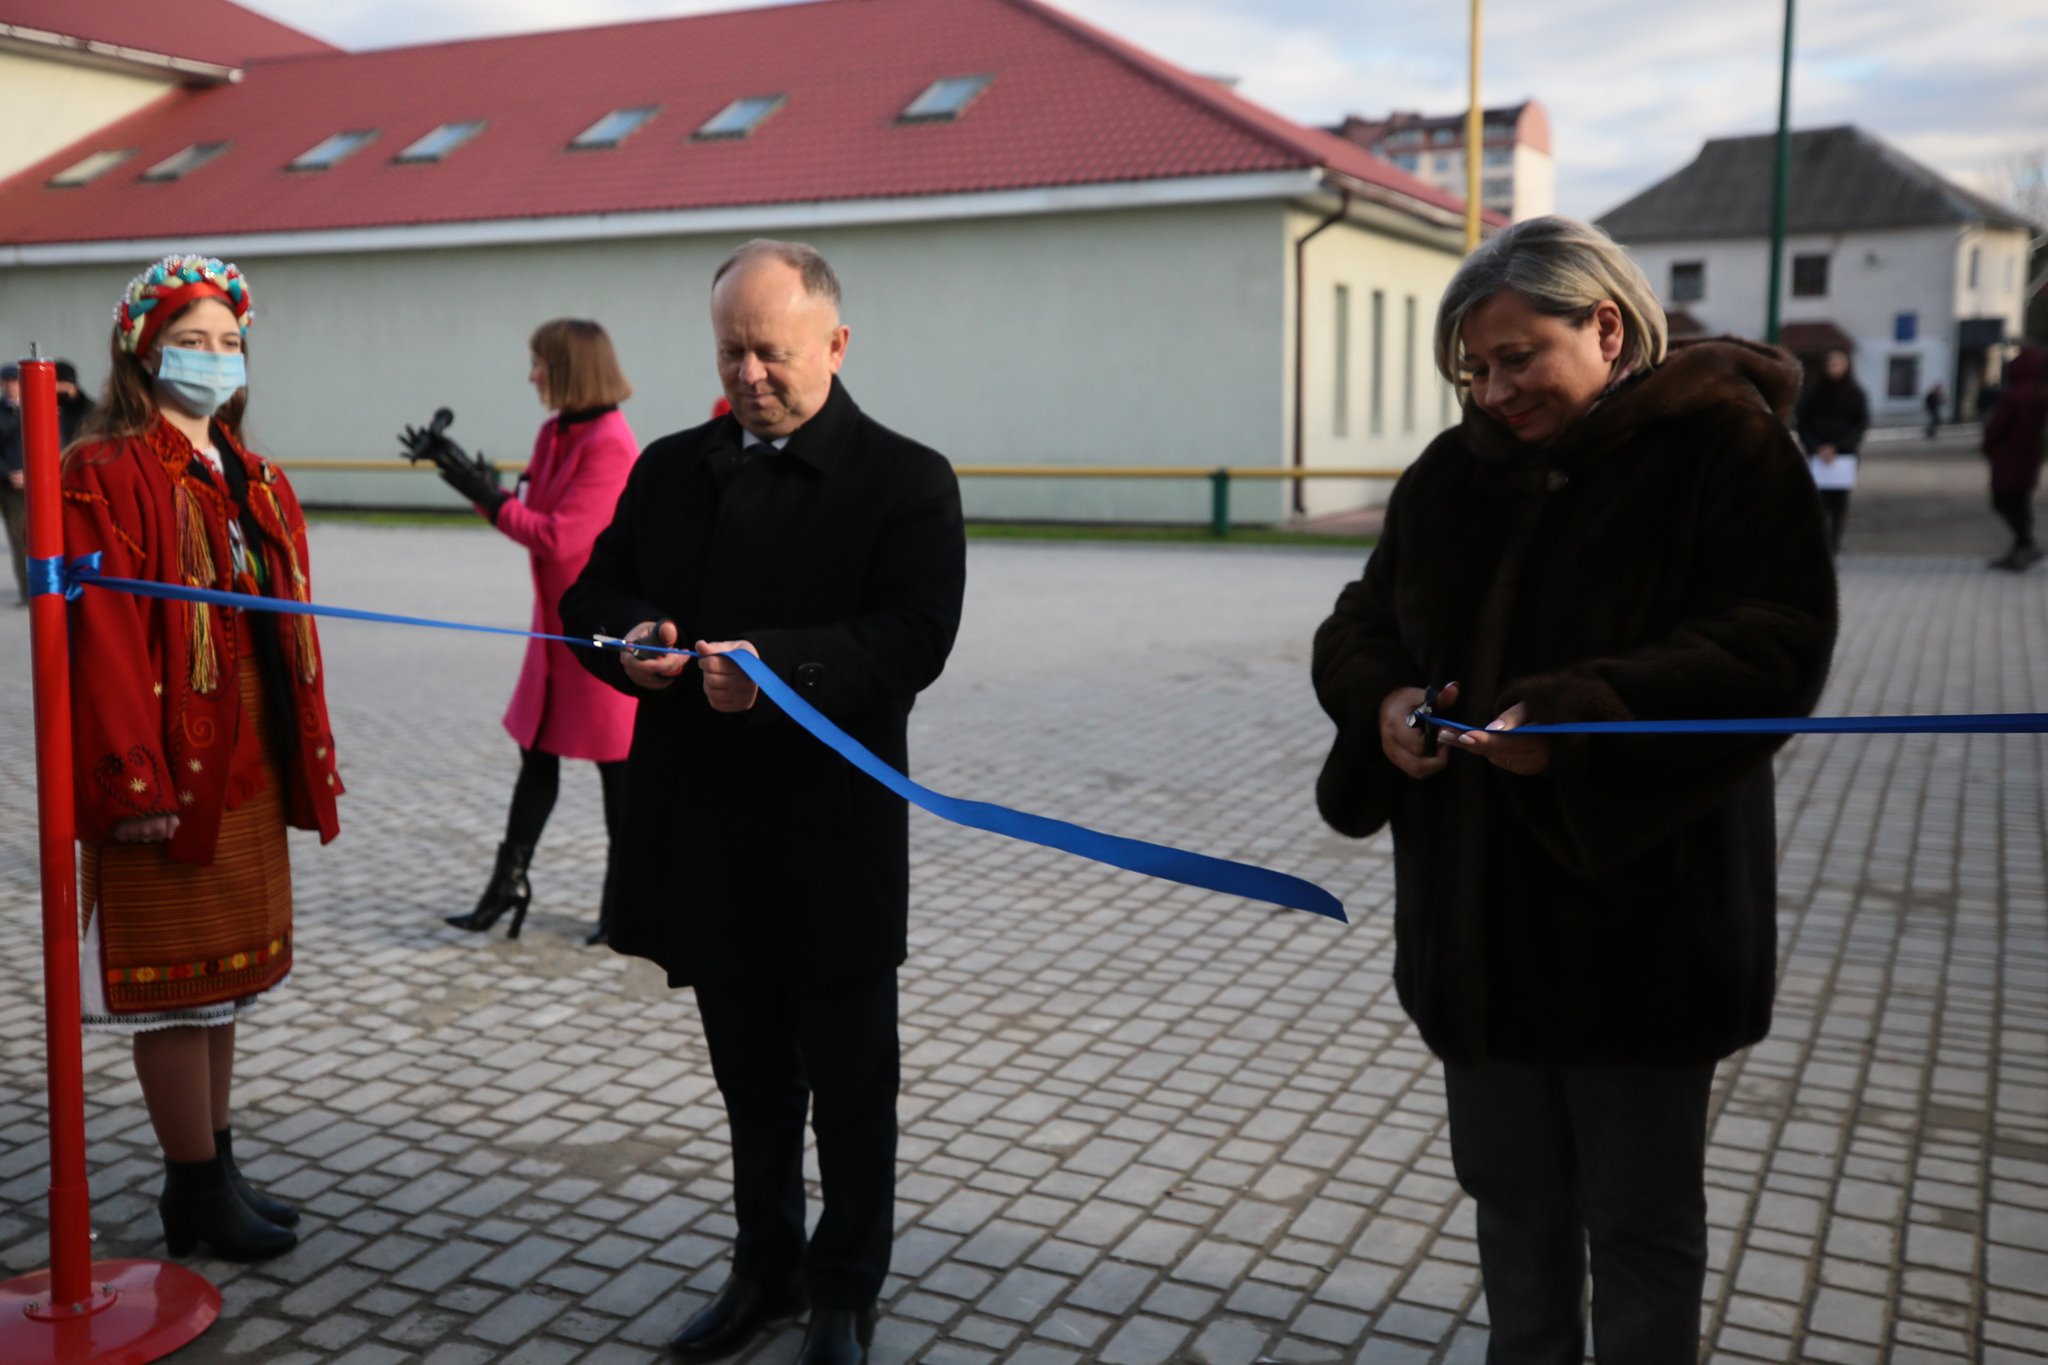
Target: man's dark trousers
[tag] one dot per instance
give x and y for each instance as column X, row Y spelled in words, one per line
column 777, row 1048
column 1557, row 1156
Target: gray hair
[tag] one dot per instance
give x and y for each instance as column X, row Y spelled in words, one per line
column 1564, row 268
column 806, row 260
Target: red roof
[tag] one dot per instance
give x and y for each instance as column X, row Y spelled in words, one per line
column 214, row 31
column 1068, row 105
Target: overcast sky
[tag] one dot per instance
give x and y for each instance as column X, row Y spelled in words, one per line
column 1633, row 88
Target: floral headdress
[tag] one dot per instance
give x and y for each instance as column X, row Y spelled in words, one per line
column 160, row 292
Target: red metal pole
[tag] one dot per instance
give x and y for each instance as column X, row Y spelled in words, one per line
column 70, row 1228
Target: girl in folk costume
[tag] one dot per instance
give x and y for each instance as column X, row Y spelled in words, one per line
column 201, row 731
column 580, row 462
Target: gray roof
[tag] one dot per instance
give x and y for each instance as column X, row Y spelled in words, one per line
column 1842, row 180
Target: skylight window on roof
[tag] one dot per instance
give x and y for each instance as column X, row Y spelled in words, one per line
column 614, row 128
column 740, row 118
column 437, row 145
column 945, row 99
column 185, row 162
column 90, row 169
column 333, row 150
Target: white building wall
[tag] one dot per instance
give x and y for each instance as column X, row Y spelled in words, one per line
column 1535, row 183
column 1411, row 407
column 1132, row 337
column 1873, row 277
column 47, row 105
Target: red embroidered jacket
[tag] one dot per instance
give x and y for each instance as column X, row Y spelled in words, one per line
column 154, row 684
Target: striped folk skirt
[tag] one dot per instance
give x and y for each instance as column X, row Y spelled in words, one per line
column 170, row 945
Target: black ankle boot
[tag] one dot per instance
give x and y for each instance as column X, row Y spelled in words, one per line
column 268, row 1209
column 508, row 889
column 199, row 1205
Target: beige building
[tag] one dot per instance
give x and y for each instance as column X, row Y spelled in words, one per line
column 1057, row 249
column 1517, row 178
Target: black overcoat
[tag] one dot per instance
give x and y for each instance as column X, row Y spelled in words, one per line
column 1662, row 558
column 750, row 850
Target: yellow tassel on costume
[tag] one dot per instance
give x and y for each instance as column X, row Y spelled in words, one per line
column 302, row 626
column 195, row 553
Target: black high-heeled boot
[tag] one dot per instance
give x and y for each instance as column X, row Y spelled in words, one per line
column 508, row 889
column 602, row 930
column 199, row 1205
column 268, row 1209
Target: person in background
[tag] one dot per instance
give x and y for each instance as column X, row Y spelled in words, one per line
column 1936, row 396
column 581, row 460
column 74, row 408
column 2012, row 443
column 1832, row 419
column 13, row 486
column 1583, row 927
column 200, row 733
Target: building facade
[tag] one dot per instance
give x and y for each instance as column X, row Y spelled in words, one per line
column 1919, row 280
column 1518, row 178
column 1018, row 293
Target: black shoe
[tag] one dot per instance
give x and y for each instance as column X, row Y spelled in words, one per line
column 268, row 1209
column 837, row 1336
column 199, row 1205
column 508, row 889
column 735, row 1316
column 599, row 932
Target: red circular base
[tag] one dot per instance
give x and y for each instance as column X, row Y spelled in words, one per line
column 140, row 1311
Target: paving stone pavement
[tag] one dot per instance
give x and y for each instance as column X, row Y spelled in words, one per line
column 1140, row 1123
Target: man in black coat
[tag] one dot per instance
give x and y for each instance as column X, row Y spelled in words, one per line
column 759, row 868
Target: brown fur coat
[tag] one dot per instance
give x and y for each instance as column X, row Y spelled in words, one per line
column 1663, row 558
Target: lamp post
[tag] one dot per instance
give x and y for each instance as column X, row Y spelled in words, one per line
column 1474, row 128
column 1781, row 188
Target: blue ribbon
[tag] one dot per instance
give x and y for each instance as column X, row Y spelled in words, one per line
column 1134, row 855
column 1989, row 723
column 49, row 577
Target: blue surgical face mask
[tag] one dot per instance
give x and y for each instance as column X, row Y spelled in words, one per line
column 200, row 381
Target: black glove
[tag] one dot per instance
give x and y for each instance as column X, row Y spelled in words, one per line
column 474, row 477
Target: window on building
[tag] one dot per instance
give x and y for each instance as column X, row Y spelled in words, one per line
column 1444, row 137
column 1408, row 161
column 739, row 119
column 1498, row 156
column 1688, row 281
column 1976, row 259
column 1906, row 327
column 184, row 163
column 439, row 144
column 90, row 169
column 331, row 151
column 614, row 128
column 1379, row 353
column 1902, row 377
column 1497, row 191
column 1340, row 403
column 1809, row 277
column 945, row 99
column 1408, row 364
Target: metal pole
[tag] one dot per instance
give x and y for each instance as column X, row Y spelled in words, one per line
column 1474, row 132
column 70, row 1230
column 1219, row 502
column 1781, row 190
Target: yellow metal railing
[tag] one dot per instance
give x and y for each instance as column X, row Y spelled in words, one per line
column 1220, row 477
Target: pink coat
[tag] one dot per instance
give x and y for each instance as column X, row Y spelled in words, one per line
column 567, row 497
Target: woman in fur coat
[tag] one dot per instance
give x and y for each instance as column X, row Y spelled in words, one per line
column 1583, row 926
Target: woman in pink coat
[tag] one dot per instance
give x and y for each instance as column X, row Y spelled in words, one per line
column 580, row 462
